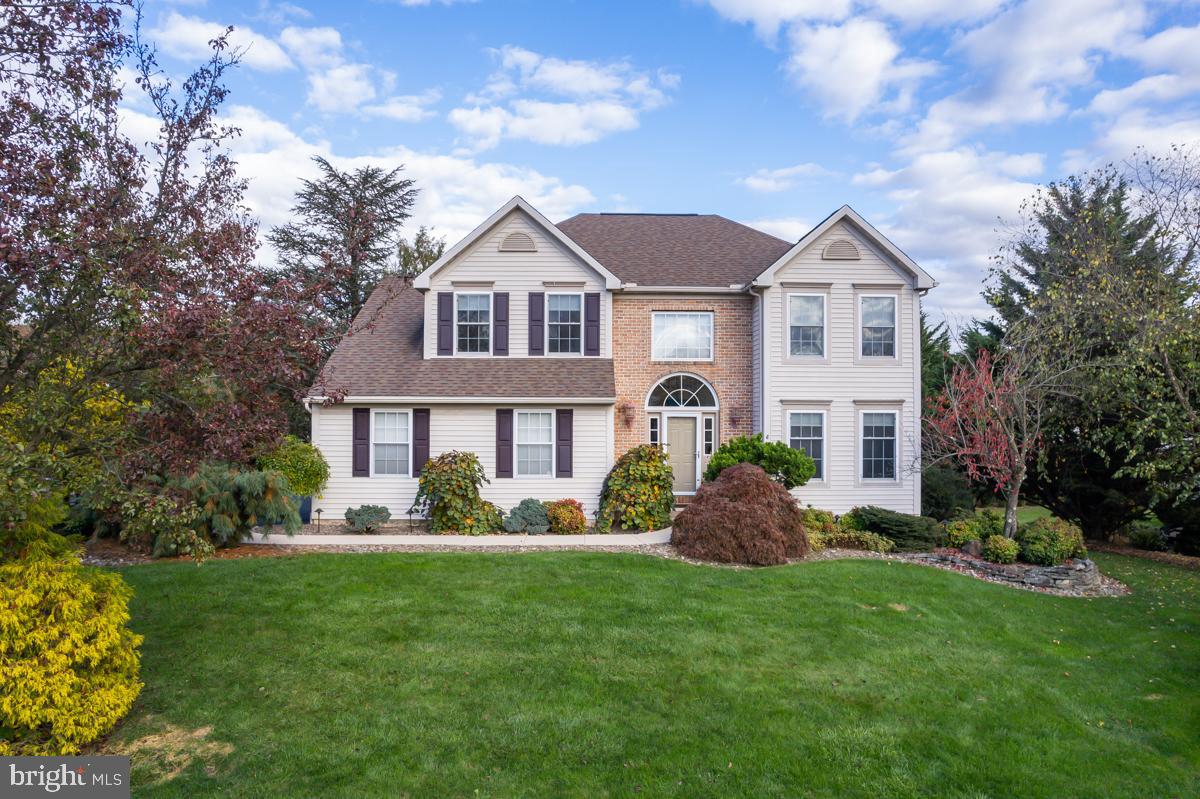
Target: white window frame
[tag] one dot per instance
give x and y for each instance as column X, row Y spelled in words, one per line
column 654, row 429
column 858, row 328
column 787, row 327
column 409, row 425
column 858, row 464
column 491, row 309
column 708, row 435
column 712, row 339
column 824, row 414
column 517, row 444
column 546, row 324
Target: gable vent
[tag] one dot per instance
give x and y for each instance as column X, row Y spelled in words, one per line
column 840, row 250
column 517, row 242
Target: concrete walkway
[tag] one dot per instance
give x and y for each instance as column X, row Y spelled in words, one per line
column 467, row 541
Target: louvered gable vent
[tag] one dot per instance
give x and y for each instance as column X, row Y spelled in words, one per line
column 840, row 250
column 517, row 242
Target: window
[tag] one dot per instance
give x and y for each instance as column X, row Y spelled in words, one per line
column 682, row 391
column 535, row 444
column 806, row 432
column 654, row 439
column 682, row 336
column 879, row 445
column 390, row 440
column 878, row 326
column 474, row 322
column 564, row 322
column 806, row 325
column 709, row 434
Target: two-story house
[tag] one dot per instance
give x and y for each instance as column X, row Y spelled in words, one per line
column 549, row 350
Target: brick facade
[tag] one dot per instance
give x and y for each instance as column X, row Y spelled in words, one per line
column 636, row 373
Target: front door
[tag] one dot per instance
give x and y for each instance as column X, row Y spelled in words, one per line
column 681, row 452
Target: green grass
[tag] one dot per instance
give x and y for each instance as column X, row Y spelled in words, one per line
column 1029, row 513
column 594, row 675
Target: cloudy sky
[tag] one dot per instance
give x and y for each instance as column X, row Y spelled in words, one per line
column 933, row 118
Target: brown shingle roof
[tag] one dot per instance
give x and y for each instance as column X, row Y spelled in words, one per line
column 675, row 249
column 384, row 359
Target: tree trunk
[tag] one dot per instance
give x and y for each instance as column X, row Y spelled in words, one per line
column 1010, row 510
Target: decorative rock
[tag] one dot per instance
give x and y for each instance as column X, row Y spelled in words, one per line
column 973, row 548
column 1080, row 574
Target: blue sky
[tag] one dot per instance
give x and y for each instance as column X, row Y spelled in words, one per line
column 933, row 118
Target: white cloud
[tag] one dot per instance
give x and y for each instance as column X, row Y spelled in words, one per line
column 774, row 180
column 1176, row 49
column 405, row 107
column 788, row 228
column 914, row 12
column 768, row 15
column 188, row 37
column 849, row 69
column 523, row 99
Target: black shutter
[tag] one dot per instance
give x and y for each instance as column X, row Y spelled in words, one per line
column 504, row 442
column 500, row 322
column 537, row 319
column 420, row 439
column 591, row 324
column 564, row 435
column 445, row 328
column 361, row 442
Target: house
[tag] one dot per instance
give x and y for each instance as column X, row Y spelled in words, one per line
column 549, row 350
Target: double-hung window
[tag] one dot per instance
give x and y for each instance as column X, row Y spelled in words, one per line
column 564, row 323
column 877, row 314
column 682, row 336
column 535, row 444
column 390, row 441
column 473, row 323
column 879, row 445
column 806, row 432
column 806, row 325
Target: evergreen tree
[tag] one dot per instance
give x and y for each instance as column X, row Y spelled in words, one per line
column 421, row 253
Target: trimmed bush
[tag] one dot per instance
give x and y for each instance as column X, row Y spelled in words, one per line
column 68, row 661
column 232, row 501
column 448, row 495
column 528, row 517
column 1049, row 541
column 787, row 466
column 1000, row 549
column 818, row 521
column 1144, row 534
column 637, row 493
column 909, row 533
column 984, row 524
column 945, row 493
column 301, row 463
column 741, row 517
column 849, row 539
column 567, row 517
column 989, row 522
column 367, row 518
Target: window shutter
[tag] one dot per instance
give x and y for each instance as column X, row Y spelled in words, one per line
column 361, row 443
column 504, row 442
column 591, row 324
column 537, row 319
column 445, row 328
column 420, row 439
column 564, row 435
column 500, row 322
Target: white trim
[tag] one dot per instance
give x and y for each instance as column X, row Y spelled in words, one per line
column 858, row 328
column 823, row 480
column 666, row 426
column 712, row 337
column 546, row 325
column 491, row 312
column 706, row 421
column 517, row 444
column 423, row 281
column 360, row 399
column 647, row 406
column 408, row 424
column 858, row 461
column 634, row 288
column 922, row 278
column 654, row 429
column 787, row 327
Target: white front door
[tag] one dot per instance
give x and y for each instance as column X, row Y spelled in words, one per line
column 682, row 452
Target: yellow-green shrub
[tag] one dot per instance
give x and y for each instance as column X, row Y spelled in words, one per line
column 999, row 549
column 68, row 661
column 637, row 493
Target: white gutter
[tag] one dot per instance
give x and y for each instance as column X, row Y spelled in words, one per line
column 367, row 399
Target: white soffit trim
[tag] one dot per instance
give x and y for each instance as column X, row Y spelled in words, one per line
column 466, row 400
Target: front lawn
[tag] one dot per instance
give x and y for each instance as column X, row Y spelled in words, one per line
column 593, row 675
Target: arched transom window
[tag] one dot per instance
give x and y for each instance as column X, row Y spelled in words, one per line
column 682, row 391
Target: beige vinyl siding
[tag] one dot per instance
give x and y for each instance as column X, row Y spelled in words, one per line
column 518, row 273
column 462, row 427
column 844, row 379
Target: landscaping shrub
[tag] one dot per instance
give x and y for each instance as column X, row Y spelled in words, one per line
column 818, row 521
column 232, row 501
column 567, row 517
column 1144, row 534
column 301, row 463
column 981, row 526
column 909, row 533
column 849, row 539
column 741, row 517
column 1000, row 549
column 448, row 495
column 68, row 661
column 637, row 493
column 528, row 517
column 30, row 509
column 164, row 526
column 989, row 522
column 945, row 493
column 1049, row 541
column 787, row 466
column 367, row 518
